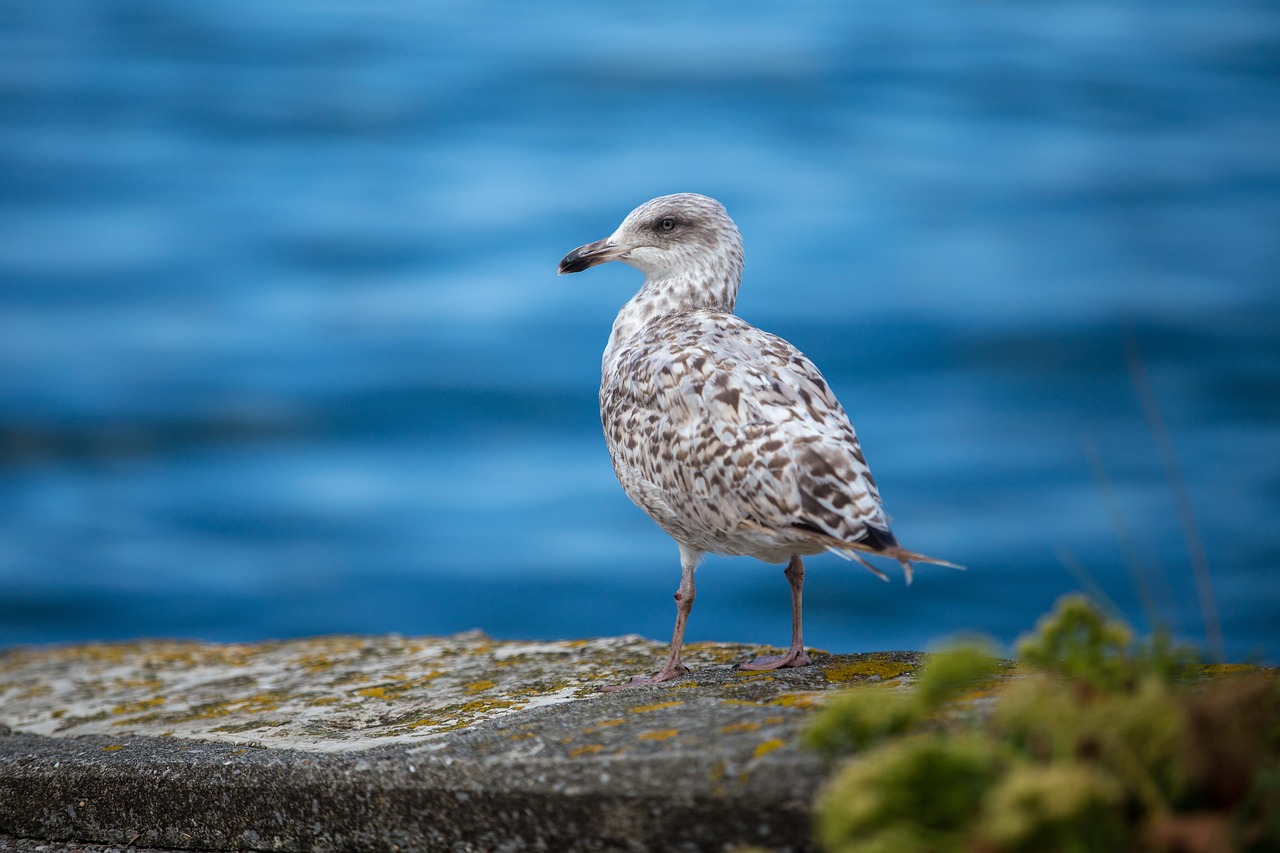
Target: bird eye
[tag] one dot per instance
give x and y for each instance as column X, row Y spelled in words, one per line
column 667, row 224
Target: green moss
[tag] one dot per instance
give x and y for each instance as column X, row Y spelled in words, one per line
column 1099, row 742
column 856, row 720
column 1078, row 642
column 919, row 793
column 1069, row 807
column 957, row 670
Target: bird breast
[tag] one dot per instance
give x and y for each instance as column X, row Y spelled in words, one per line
column 731, row 440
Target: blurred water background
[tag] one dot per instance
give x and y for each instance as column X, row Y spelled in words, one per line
column 283, row 351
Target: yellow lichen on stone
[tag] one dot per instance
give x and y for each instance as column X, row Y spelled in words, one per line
column 748, row 675
column 1215, row 669
column 641, row 709
column 104, row 653
column 250, row 726
column 863, row 669
column 113, row 748
column 740, row 727
column 482, row 705
column 589, row 749
column 138, row 707
column 152, row 684
column 258, row 703
column 661, row 734
column 397, row 686
column 799, row 700
column 603, row 724
column 712, row 652
column 767, row 747
column 315, row 663
column 549, row 688
column 420, row 723
column 343, row 692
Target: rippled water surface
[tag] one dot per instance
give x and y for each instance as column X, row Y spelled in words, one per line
column 283, row 351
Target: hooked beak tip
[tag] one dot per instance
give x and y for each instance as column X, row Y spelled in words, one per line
column 584, row 257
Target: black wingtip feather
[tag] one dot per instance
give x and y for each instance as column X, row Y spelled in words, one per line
column 880, row 538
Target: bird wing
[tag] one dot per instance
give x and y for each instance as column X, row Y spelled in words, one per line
column 713, row 423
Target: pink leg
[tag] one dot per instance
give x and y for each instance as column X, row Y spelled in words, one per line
column 673, row 668
column 795, row 655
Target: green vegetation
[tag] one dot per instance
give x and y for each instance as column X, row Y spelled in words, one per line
column 1096, row 742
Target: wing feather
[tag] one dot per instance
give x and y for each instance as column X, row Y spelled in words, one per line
column 713, row 424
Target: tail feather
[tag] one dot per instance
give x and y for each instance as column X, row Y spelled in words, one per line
column 854, row 555
column 853, row 550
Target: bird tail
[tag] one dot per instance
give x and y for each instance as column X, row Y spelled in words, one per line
column 853, row 550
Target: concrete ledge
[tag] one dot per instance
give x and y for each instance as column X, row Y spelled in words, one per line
column 458, row 743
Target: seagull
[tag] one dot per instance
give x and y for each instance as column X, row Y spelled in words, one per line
column 726, row 435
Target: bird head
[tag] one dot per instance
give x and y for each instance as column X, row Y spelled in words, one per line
column 679, row 235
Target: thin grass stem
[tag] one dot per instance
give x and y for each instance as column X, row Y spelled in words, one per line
column 1137, row 567
column 1181, row 497
column 1086, row 582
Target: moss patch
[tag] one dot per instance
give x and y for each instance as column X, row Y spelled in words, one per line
column 1103, row 742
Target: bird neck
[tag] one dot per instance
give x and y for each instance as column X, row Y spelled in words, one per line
column 699, row 289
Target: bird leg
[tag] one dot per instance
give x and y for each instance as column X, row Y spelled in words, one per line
column 673, row 668
column 795, row 655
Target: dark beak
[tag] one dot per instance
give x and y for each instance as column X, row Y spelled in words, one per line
column 599, row 252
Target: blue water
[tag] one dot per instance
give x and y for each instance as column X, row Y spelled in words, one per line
column 283, row 351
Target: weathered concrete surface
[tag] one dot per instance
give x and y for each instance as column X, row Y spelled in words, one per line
column 9, row 844
column 459, row 743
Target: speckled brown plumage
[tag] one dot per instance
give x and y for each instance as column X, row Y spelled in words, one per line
column 727, row 436
column 730, row 439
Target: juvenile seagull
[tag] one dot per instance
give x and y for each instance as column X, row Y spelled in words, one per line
column 727, row 436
